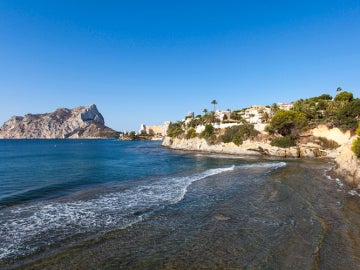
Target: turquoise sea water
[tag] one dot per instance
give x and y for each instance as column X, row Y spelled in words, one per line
column 153, row 208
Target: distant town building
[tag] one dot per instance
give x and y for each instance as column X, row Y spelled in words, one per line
column 285, row 106
column 188, row 118
column 222, row 114
column 256, row 114
column 142, row 129
column 157, row 130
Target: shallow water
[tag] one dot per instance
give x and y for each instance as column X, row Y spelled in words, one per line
column 201, row 212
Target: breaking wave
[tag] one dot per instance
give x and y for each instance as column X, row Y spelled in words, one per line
column 25, row 228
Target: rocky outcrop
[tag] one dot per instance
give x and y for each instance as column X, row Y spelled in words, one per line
column 248, row 147
column 80, row 122
column 334, row 134
column 347, row 164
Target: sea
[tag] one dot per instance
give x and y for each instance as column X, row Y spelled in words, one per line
column 110, row 204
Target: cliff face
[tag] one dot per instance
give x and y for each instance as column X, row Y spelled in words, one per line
column 80, row 122
column 248, row 147
column 346, row 162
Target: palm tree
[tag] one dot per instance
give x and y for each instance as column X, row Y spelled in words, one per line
column 214, row 102
column 205, row 111
column 339, row 89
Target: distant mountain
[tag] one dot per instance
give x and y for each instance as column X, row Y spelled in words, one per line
column 80, row 122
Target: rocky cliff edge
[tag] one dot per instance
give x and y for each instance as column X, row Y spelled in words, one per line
column 346, row 162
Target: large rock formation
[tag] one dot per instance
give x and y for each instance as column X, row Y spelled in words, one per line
column 80, row 122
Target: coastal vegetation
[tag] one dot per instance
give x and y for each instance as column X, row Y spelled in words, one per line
column 214, row 102
column 343, row 111
column 283, row 142
column 191, row 133
column 283, row 126
column 356, row 145
column 287, row 123
column 175, row 130
column 238, row 134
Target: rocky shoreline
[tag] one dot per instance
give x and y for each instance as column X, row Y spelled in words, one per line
column 347, row 165
column 248, row 147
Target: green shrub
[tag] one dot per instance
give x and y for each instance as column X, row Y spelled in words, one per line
column 288, row 122
column 208, row 131
column 324, row 97
column 356, row 144
column 132, row 135
column 283, row 142
column 209, row 134
column 238, row 134
column 349, row 114
column 327, row 144
column 191, row 133
column 236, row 115
column 344, row 96
column 175, row 130
column 196, row 122
column 356, row 147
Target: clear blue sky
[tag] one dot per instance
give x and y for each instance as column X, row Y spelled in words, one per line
column 151, row 61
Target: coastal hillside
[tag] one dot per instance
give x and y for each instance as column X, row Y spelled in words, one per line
column 320, row 126
column 79, row 122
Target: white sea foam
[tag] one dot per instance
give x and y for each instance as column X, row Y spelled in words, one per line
column 336, row 180
column 270, row 165
column 339, row 182
column 24, row 228
column 354, row 193
column 220, row 156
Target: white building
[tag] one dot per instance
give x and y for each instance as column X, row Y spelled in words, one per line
column 221, row 114
column 285, row 106
column 256, row 114
column 157, row 130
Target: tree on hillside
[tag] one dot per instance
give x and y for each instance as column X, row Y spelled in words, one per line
column 339, row 89
column 210, row 118
column 132, row 135
column 344, row 96
column 235, row 115
column 325, row 97
column 214, row 102
column 349, row 115
column 307, row 107
column 321, row 105
column 315, row 107
column 238, row 134
column 288, row 122
column 175, row 129
column 209, row 134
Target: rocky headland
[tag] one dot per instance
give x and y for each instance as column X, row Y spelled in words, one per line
column 310, row 146
column 79, row 122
